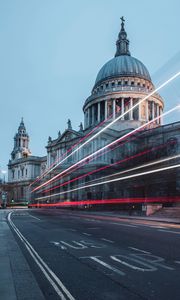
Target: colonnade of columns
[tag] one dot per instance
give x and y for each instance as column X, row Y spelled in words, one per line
column 153, row 110
column 110, row 108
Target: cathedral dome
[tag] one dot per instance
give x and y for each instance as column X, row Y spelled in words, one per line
column 122, row 65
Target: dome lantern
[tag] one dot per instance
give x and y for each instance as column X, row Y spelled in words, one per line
column 122, row 43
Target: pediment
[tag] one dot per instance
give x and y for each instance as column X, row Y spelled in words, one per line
column 68, row 135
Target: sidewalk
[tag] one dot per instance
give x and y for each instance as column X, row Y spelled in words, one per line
column 16, row 279
column 136, row 217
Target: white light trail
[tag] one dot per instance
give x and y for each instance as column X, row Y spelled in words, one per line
column 138, row 167
column 112, row 180
column 115, row 120
column 106, row 146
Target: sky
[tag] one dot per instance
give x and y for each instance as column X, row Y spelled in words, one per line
column 52, row 50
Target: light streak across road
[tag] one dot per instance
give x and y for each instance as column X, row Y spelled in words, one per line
column 137, row 167
column 105, row 147
column 116, row 119
column 114, row 164
column 71, row 148
column 160, row 199
column 112, row 180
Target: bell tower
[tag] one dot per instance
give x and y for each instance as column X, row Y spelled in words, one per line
column 21, row 143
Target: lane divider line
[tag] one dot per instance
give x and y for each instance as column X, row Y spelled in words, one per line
column 106, row 240
column 34, row 217
column 89, row 234
column 56, row 283
column 136, row 249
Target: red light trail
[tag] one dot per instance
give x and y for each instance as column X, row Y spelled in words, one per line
column 103, row 148
column 169, row 199
column 113, row 180
column 71, row 148
column 119, row 117
column 111, row 165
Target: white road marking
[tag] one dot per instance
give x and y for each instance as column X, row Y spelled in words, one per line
column 96, row 259
column 55, row 243
column 79, row 245
column 89, row 234
column 153, row 260
column 136, row 249
column 120, row 224
column 169, row 231
column 34, row 217
column 55, row 282
column 148, row 269
column 177, row 261
column 107, row 240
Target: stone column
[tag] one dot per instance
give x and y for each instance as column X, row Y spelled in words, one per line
column 98, row 111
column 157, row 113
column 147, row 111
column 131, row 110
column 152, row 109
column 160, row 113
column 85, row 119
column 93, row 119
column 139, row 111
column 114, row 108
column 105, row 112
column 122, row 108
column 88, row 117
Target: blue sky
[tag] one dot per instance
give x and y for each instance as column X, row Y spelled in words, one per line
column 51, row 52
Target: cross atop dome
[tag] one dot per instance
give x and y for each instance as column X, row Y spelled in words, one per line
column 122, row 44
column 122, row 19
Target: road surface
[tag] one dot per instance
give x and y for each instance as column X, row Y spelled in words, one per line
column 83, row 255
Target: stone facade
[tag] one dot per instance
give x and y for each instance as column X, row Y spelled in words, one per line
column 23, row 168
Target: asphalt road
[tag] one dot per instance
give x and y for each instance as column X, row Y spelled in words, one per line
column 84, row 256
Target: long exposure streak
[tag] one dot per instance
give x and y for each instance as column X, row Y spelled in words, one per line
column 169, row 199
column 112, row 180
column 137, row 168
column 113, row 164
column 116, row 119
column 72, row 147
column 108, row 145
